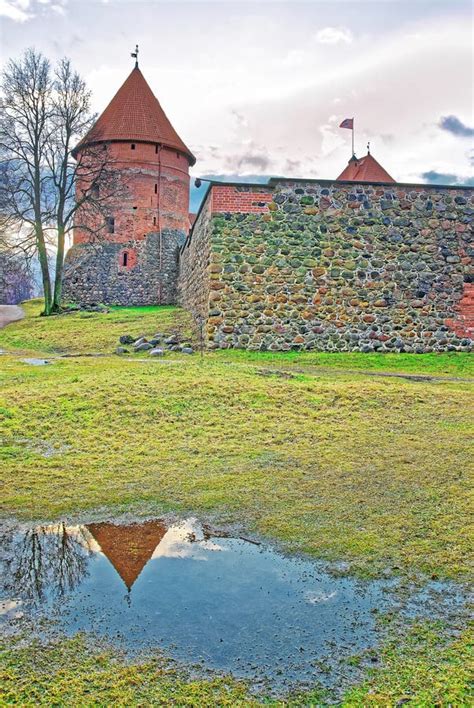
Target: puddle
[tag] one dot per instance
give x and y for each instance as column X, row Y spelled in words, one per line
column 36, row 362
column 226, row 604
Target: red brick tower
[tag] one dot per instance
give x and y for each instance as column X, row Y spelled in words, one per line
column 133, row 260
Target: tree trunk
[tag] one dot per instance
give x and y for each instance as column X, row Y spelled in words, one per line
column 58, row 278
column 43, row 259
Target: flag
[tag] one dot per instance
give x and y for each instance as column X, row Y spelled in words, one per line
column 347, row 123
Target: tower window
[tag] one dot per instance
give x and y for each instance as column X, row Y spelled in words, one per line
column 127, row 259
column 132, row 146
column 134, row 208
column 156, row 149
column 156, row 188
column 110, row 221
column 154, row 221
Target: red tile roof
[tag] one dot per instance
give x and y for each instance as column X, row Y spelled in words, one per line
column 135, row 114
column 367, row 169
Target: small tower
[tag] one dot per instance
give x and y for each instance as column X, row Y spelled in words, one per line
column 365, row 169
column 134, row 259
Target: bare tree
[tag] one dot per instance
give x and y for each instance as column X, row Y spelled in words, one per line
column 84, row 181
column 45, row 192
column 44, row 560
column 24, row 132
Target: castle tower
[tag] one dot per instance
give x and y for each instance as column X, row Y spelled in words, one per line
column 365, row 169
column 133, row 260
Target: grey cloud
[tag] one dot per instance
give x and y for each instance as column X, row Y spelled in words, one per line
column 256, row 160
column 455, row 126
column 292, row 165
column 434, row 177
column 240, row 118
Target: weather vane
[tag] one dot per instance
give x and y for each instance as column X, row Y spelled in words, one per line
column 135, row 56
column 368, row 148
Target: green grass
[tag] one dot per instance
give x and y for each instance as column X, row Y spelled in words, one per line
column 371, row 470
column 433, row 364
column 88, row 332
column 425, row 670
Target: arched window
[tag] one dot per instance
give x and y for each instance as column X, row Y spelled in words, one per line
column 127, row 260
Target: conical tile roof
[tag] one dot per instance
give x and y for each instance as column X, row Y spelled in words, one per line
column 128, row 548
column 135, row 114
column 367, row 169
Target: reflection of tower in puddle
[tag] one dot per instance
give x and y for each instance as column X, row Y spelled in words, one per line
column 128, row 548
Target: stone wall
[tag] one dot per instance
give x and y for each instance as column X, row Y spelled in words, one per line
column 335, row 267
column 194, row 269
column 129, row 263
column 99, row 273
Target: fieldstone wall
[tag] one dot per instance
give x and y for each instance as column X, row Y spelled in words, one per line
column 194, row 268
column 334, row 267
column 95, row 272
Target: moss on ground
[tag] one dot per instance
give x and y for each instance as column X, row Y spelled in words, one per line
column 371, row 470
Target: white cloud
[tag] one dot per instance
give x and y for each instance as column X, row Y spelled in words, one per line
column 276, row 109
column 15, row 10
column 334, row 35
column 185, row 539
column 23, row 10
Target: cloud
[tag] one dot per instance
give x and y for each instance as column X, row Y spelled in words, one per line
column 248, row 160
column 23, row 10
column 241, row 120
column 434, row 177
column 334, row 35
column 15, row 10
column 455, row 126
column 292, row 166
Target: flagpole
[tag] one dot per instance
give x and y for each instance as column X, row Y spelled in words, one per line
column 353, row 137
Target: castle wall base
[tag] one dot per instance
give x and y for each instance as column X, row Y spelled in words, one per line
column 131, row 273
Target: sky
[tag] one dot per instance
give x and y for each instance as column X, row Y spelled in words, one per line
column 258, row 88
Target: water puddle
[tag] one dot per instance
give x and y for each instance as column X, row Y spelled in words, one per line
column 36, row 362
column 224, row 603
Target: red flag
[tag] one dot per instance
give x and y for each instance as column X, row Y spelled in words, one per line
column 347, row 123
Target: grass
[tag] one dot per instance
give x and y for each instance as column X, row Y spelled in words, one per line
column 87, row 332
column 344, row 466
column 425, row 671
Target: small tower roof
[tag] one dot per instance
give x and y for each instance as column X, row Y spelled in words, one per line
column 135, row 114
column 365, row 169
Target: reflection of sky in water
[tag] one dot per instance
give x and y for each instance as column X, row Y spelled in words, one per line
column 230, row 604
